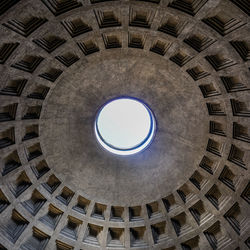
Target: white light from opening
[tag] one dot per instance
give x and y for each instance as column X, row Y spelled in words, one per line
column 125, row 126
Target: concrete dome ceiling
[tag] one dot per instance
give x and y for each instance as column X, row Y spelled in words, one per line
column 60, row 60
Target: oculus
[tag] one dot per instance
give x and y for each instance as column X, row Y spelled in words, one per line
column 125, row 126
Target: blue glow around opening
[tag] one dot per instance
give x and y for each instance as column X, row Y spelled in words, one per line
column 125, row 126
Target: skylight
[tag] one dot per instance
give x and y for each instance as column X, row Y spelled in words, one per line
column 125, row 126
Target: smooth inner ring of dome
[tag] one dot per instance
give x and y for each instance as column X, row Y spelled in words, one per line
column 125, row 126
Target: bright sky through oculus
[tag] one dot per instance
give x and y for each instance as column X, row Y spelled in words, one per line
column 125, row 126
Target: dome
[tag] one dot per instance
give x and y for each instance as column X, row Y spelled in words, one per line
column 186, row 62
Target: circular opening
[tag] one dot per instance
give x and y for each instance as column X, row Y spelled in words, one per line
column 125, row 126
